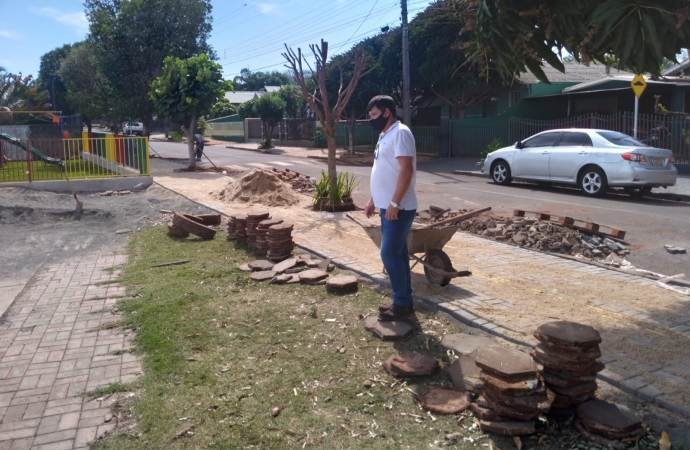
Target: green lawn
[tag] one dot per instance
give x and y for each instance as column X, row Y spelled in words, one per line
column 76, row 169
column 220, row 351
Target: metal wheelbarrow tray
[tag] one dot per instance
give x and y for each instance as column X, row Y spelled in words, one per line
column 429, row 240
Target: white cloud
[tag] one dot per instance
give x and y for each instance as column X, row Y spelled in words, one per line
column 8, row 34
column 76, row 19
column 266, row 8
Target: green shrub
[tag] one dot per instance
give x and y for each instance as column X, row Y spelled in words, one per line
column 492, row 147
column 343, row 189
column 176, row 135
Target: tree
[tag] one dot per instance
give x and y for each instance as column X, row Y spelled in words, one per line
column 270, row 108
column 222, row 108
column 514, row 37
column 246, row 109
column 295, row 105
column 133, row 37
column 257, row 81
column 88, row 90
column 317, row 98
column 186, row 90
column 50, row 66
column 20, row 93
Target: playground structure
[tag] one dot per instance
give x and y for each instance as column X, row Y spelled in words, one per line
column 58, row 148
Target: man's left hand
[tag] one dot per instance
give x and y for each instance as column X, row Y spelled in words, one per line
column 392, row 213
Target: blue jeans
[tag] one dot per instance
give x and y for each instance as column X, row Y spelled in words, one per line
column 394, row 255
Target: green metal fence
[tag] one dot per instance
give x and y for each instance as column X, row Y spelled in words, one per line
column 226, row 131
column 365, row 138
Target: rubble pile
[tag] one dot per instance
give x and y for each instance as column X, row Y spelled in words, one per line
column 569, row 353
column 608, row 425
column 260, row 245
column 299, row 182
column 513, row 394
column 253, row 219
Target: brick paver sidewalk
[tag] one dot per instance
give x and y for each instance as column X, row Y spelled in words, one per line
column 53, row 350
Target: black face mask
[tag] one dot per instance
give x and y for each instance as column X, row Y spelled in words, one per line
column 379, row 123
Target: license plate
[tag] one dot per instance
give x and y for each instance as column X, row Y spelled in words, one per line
column 657, row 161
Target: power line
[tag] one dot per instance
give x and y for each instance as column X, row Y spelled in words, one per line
column 360, row 25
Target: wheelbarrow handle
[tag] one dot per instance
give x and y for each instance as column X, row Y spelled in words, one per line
column 357, row 221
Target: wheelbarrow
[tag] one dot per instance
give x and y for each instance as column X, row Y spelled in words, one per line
column 428, row 240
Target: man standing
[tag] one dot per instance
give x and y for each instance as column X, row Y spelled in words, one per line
column 393, row 192
column 199, row 141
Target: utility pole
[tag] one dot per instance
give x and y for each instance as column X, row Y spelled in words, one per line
column 52, row 88
column 406, row 65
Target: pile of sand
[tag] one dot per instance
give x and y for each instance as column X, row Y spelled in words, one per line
column 259, row 186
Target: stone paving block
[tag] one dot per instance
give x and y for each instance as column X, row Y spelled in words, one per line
column 68, row 421
column 22, row 444
column 84, row 436
column 48, row 424
column 34, row 410
column 632, row 385
column 649, row 393
column 14, row 413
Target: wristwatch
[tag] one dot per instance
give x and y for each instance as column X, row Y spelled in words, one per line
column 395, row 205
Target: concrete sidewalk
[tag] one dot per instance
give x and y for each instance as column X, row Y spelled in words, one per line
column 53, row 349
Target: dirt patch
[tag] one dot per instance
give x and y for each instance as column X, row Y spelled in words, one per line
column 259, row 186
column 42, row 227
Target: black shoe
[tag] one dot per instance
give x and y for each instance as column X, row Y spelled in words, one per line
column 395, row 313
column 386, row 306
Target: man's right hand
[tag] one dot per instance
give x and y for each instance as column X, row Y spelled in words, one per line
column 369, row 208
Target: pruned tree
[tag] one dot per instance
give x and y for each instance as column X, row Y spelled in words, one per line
column 328, row 112
column 187, row 90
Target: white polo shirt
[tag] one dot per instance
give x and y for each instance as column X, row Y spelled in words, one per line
column 394, row 142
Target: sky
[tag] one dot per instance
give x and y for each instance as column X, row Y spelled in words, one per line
column 246, row 34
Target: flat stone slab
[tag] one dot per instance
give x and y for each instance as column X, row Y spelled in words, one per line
column 565, row 381
column 511, row 428
column 565, row 402
column 465, row 344
column 485, row 413
column 342, row 283
column 539, row 402
column 388, row 331
column 465, row 374
column 294, row 278
column 244, row 268
column 323, row 265
column 575, row 355
column 261, row 264
column 576, row 390
column 603, row 416
column 285, row 265
column 569, row 333
column 445, row 400
column 312, row 276
column 410, row 364
column 513, row 388
column 506, row 363
column 560, row 367
column 598, row 439
column 312, row 264
column 281, row 279
column 262, row 275
column 508, row 411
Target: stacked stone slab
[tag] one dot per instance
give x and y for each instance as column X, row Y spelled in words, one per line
column 280, row 244
column 607, row 424
column 569, row 353
column 232, row 227
column 513, row 393
column 253, row 219
column 261, row 245
column 241, row 228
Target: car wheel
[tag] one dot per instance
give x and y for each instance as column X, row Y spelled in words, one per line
column 593, row 182
column 500, row 172
column 637, row 191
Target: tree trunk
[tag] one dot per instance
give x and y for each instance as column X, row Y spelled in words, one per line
column 332, row 172
column 351, row 134
column 146, row 122
column 89, row 125
column 190, row 141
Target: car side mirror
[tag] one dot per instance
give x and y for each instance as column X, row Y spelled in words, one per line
column 518, row 145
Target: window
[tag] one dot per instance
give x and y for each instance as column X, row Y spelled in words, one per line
column 515, row 97
column 621, row 139
column 542, row 140
column 575, row 140
column 490, row 107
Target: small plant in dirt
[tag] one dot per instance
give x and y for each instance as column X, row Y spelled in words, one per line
column 338, row 198
column 492, row 147
column 112, row 388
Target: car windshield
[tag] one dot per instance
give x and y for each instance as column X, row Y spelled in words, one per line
column 620, row 139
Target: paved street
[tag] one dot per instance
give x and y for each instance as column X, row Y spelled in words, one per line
column 650, row 223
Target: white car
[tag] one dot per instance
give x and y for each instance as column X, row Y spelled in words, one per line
column 132, row 128
column 594, row 160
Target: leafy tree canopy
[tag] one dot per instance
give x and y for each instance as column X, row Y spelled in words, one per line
column 246, row 109
column 256, row 81
column 515, row 37
column 222, row 108
column 50, row 63
column 133, row 37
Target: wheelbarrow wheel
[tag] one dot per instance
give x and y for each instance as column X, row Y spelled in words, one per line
column 438, row 259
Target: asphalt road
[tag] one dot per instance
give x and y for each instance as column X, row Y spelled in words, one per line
column 649, row 223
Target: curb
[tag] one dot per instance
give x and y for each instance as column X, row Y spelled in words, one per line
column 265, row 152
column 445, row 306
column 470, row 173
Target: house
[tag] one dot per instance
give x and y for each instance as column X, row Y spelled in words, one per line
column 239, row 97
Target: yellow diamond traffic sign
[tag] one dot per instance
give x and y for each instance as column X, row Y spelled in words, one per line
column 638, row 85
